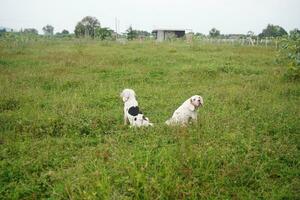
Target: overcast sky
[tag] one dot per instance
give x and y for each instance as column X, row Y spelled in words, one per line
column 229, row 16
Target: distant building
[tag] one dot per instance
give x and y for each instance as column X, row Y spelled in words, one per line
column 234, row 36
column 165, row 34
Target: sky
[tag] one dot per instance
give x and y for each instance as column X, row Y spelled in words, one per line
column 228, row 16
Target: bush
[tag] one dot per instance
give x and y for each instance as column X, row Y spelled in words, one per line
column 289, row 55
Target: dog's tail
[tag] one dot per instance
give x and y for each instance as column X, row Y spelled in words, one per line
column 127, row 93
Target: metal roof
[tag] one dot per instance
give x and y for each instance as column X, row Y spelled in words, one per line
column 168, row 30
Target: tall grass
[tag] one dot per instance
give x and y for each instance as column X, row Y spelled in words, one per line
column 61, row 131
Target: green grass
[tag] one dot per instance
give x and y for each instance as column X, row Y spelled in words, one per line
column 62, row 134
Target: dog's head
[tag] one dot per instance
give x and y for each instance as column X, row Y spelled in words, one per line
column 127, row 94
column 196, row 101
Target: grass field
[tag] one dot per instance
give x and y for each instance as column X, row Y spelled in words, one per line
column 62, row 134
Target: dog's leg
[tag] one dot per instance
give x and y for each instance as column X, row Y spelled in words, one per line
column 126, row 120
column 194, row 117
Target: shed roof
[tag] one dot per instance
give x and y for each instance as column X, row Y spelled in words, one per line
column 168, row 30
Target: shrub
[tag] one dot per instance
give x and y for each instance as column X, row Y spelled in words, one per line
column 289, row 55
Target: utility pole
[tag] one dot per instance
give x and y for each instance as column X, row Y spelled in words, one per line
column 117, row 22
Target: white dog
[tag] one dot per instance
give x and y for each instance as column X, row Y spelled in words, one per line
column 132, row 113
column 186, row 112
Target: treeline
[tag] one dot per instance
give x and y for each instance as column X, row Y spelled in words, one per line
column 271, row 31
column 90, row 27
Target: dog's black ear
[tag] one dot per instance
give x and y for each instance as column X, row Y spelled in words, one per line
column 134, row 110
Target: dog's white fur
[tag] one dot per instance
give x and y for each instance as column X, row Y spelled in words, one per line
column 129, row 98
column 186, row 112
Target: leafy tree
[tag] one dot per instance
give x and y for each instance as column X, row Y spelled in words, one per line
column 199, row 34
column 87, row 27
column 141, row 33
column 250, row 33
column 273, row 31
column 48, row 30
column 103, row 33
column 295, row 33
column 79, row 30
column 65, row 32
column 131, row 34
column 31, row 31
column 214, row 32
column 2, row 32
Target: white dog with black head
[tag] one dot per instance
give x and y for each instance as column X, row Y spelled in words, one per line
column 187, row 112
column 132, row 113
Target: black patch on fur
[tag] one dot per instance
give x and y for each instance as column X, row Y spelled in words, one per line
column 134, row 110
column 135, row 119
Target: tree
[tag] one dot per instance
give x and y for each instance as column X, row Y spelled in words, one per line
column 131, row 34
column 272, row 31
column 31, row 31
column 142, row 34
column 48, row 29
column 103, row 33
column 87, row 27
column 214, row 32
column 199, row 34
column 79, row 30
column 2, row 32
column 295, row 33
column 250, row 33
column 65, row 32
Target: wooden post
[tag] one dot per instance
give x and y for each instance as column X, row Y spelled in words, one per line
column 251, row 41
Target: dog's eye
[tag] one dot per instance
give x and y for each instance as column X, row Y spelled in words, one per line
column 135, row 119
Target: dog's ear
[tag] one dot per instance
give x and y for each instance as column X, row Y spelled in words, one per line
column 202, row 102
column 191, row 105
column 124, row 96
column 125, row 99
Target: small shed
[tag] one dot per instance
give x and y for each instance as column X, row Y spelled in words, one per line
column 164, row 34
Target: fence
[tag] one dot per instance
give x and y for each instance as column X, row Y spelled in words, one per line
column 267, row 42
